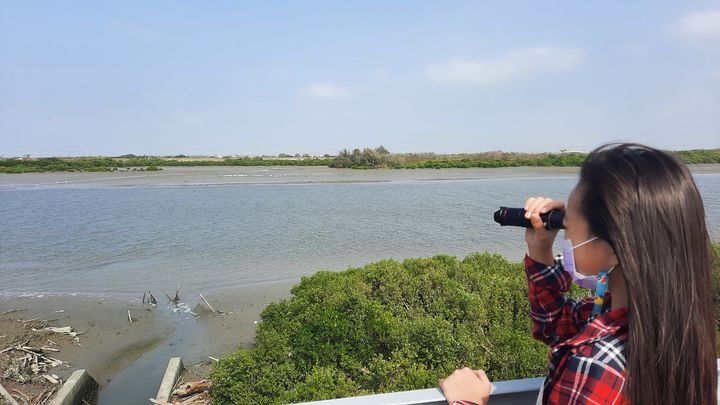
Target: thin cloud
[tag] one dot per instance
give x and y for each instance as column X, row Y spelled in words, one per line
column 704, row 24
column 512, row 65
column 324, row 90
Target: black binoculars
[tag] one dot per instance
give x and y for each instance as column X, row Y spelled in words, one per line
column 516, row 217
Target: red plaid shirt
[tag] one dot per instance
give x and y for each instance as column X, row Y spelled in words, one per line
column 587, row 360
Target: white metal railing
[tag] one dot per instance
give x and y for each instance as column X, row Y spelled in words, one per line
column 520, row 392
column 524, row 391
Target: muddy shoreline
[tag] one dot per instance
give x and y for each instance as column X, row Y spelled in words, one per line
column 119, row 354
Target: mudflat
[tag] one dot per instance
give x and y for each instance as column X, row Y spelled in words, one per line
column 106, row 342
column 193, row 176
column 211, row 175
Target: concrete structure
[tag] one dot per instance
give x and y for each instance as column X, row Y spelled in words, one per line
column 79, row 386
column 172, row 372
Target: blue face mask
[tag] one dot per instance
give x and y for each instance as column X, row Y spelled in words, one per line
column 568, row 261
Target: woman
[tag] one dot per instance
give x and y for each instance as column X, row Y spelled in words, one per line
column 635, row 225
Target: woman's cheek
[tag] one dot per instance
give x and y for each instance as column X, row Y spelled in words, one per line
column 586, row 263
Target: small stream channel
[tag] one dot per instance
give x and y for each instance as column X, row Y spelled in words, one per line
column 141, row 380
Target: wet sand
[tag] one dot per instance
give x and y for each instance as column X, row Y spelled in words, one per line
column 108, row 342
column 224, row 175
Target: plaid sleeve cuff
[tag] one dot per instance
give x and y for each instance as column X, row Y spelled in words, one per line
column 551, row 277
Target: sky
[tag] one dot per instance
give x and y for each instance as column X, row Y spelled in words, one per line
column 81, row 78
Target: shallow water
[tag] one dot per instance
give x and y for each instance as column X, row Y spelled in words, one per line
column 118, row 234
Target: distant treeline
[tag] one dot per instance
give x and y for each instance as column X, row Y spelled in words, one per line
column 356, row 159
column 382, row 158
column 111, row 164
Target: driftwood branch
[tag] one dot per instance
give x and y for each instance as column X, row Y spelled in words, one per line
column 148, row 298
column 192, row 387
column 208, row 304
column 36, row 355
column 51, row 379
column 67, row 330
column 10, row 311
column 213, row 309
column 45, row 396
column 175, row 300
column 27, row 398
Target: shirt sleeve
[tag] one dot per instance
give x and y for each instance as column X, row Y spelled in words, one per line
column 556, row 317
column 586, row 380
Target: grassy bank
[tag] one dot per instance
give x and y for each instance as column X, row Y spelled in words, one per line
column 356, row 159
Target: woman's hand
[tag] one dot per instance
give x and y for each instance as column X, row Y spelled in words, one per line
column 466, row 385
column 539, row 239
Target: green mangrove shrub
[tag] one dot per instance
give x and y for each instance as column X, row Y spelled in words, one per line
column 387, row 326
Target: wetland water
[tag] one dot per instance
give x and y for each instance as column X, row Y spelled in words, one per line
column 118, row 234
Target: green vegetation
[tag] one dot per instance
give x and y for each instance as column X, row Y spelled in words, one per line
column 387, row 326
column 699, row 156
column 130, row 161
column 390, row 326
column 365, row 159
column 55, row 165
column 382, row 158
column 357, row 159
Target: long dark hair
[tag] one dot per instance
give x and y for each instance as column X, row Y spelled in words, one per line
column 645, row 204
